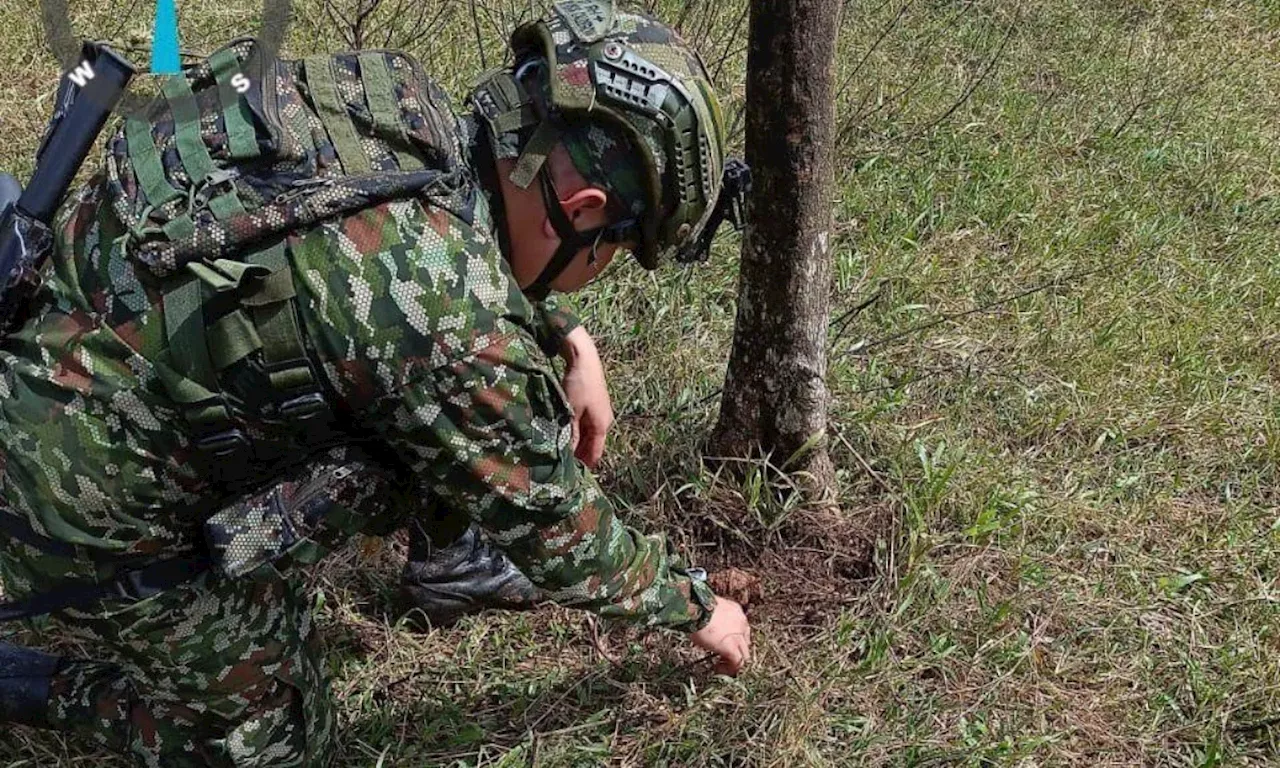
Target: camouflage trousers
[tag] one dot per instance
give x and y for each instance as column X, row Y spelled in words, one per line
column 217, row 672
column 223, row 670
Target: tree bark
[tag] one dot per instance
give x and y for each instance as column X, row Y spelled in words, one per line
column 775, row 397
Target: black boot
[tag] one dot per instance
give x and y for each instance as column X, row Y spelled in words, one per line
column 25, row 675
column 443, row 584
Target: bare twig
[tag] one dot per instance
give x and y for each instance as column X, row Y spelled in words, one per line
column 841, row 323
column 728, row 47
column 973, row 86
column 475, row 21
column 986, row 307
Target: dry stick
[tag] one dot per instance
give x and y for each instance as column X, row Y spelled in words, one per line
column 968, row 92
column 1128, row 58
column 500, row 23
column 884, row 35
column 843, row 320
column 983, row 307
column 475, row 21
column 1141, row 102
column 339, row 20
column 684, row 12
column 127, row 17
column 728, row 47
column 865, row 465
column 707, row 26
column 1195, row 89
column 1070, row 278
column 394, row 15
column 739, row 125
column 365, row 17
column 858, row 116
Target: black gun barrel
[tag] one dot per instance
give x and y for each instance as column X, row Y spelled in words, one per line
column 76, row 132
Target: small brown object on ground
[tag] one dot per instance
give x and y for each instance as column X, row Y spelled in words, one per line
column 736, row 584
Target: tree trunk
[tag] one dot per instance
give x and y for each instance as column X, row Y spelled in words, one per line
column 775, row 396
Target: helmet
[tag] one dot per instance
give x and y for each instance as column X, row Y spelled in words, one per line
column 630, row 75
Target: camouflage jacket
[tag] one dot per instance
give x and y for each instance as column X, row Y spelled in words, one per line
column 427, row 347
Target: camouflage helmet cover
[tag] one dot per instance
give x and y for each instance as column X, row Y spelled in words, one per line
column 634, row 73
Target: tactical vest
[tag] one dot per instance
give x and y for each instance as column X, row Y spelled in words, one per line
column 209, row 184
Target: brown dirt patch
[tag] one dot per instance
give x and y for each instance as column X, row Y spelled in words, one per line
column 803, row 571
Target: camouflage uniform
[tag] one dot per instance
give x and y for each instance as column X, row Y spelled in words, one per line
column 428, row 353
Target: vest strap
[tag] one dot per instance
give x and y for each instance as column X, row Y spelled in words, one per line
column 283, row 352
column 232, row 338
column 133, row 585
column 226, row 205
column 147, row 164
column 186, row 119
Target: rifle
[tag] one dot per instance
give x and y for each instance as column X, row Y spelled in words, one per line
column 85, row 99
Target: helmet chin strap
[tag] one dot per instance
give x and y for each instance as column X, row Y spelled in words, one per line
column 571, row 240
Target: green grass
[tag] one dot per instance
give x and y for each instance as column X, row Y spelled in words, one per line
column 1080, row 565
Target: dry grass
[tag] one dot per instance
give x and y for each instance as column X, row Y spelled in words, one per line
column 1073, row 493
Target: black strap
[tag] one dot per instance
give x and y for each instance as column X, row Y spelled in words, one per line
column 134, row 585
column 571, row 240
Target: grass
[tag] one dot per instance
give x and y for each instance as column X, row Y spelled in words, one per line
column 1076, row 486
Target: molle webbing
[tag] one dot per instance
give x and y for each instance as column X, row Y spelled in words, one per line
column 271, row 306
column 220, row 170
column 384, row 107
column 259, row 315
column 186, row 119
column 196, row 160
column 332, row 109
column 189, row 351
column 149, row 168
column 147, row 165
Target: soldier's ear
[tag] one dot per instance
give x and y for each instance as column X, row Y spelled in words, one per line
column 587, row 203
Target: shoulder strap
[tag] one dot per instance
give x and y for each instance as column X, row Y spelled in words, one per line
column 272, row 308
column 132, row 585
column 241, row 135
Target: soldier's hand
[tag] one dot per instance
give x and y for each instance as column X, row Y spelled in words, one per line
column 588, row 395
column 728, row 635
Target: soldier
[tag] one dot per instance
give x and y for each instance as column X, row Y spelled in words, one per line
column 275, row 321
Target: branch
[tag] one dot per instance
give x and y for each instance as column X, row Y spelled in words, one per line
column 728, row 47
column 1008, row 35
column 475, row 21
column 1074, row 276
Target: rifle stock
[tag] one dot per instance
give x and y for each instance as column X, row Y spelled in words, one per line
column 26, row 240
